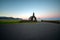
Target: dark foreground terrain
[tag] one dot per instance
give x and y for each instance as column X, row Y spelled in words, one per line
column 38, row 31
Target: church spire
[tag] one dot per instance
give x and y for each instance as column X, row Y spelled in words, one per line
column 33, row 14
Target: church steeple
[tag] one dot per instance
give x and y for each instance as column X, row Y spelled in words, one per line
column 33, row 14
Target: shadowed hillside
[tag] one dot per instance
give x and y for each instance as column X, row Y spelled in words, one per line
column 9, row 18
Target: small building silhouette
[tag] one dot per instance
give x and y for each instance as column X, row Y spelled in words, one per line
column 33, row 18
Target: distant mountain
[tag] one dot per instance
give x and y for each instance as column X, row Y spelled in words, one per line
column 48, row 18
column 9, row 18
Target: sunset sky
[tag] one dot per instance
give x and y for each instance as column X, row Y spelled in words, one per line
column 25, row 8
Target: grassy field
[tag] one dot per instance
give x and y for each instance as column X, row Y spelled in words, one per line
column 19, row 21
column 14, row 22
column 9, row 21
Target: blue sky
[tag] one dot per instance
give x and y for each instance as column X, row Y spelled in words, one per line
column 25, row 8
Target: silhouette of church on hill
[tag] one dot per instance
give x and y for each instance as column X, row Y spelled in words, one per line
column 33, row 18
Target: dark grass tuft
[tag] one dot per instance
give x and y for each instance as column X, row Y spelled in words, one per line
column 51, row 21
